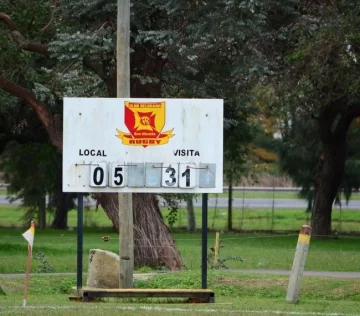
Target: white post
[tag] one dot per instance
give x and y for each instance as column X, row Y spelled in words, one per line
column 126, row 238
column 302, row 248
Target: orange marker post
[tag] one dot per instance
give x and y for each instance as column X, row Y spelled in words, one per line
column 302, row 248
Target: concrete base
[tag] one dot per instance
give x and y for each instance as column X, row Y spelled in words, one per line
column 103, row 270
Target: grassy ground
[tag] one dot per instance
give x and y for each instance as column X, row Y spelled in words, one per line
column 251, row 194
column 256, row 251
column 243, row 220
column 235, row 294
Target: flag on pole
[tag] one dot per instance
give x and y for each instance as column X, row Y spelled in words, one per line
column 29, row 234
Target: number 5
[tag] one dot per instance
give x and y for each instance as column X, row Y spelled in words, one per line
column 117, row 175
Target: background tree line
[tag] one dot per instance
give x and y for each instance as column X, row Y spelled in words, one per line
column 282, row 67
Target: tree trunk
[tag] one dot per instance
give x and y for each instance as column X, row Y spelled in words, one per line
column 42, row 212
column 61, row 211
column 191, row 214
column 62, row 199
column 153, row 243
column 328, row 180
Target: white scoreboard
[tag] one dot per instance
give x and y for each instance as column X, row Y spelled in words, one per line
column 143, row 145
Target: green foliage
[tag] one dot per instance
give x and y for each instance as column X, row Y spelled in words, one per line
column 30, row 169
column 44, row 265
column 66, row 286
column 171, row 201
column 220, row 262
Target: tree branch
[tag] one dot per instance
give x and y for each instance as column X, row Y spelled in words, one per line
column 8, row 21
column 22, row 42
column 49, row 23
column 27, row 96
column 92, row 65
column 352, row 113
column 51, row 123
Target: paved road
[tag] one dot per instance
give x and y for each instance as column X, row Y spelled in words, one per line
column 267, row 203
column 251, row 203
column 325, row 274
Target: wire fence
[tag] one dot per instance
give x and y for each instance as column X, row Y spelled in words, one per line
column 236, row 251
column 277, row 212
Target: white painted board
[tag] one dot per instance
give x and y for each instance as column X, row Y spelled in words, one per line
column 119, row 134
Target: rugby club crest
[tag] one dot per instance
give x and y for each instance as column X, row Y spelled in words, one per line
column 145, row 122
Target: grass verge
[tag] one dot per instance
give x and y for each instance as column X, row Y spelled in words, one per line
column 235, row 294
column 243, row 219
column 257, row 251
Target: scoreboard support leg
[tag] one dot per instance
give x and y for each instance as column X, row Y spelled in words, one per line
column 204, row 231
column 79, row 270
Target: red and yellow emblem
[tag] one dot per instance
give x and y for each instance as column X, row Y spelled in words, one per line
column 145, row 121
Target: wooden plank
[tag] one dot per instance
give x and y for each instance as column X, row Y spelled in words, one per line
column 204, row 295
column 91, row 289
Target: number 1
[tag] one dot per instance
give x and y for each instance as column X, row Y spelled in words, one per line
column 188, row 175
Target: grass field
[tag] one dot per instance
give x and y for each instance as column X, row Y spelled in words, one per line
column 256, row 251
column 251, row 194
column 235, row 294
column 243, row 220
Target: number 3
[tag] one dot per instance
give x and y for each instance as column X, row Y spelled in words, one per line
column 169, row 176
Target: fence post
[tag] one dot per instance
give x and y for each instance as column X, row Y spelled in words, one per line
column 302, row 247
column 216, row 248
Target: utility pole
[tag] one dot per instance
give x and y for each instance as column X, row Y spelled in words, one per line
column 126, row 234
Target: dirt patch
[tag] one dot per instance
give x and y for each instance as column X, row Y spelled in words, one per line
column 254, row 283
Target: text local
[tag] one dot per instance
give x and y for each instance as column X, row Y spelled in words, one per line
column 92, row 152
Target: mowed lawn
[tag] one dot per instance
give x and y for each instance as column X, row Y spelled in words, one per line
column 280, row 220
column 237, row 291
column 239, row 250
column 235, row 294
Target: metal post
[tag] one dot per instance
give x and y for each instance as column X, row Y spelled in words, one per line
column 79, row 240
column 204, row 240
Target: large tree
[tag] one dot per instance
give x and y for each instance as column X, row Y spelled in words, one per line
column 180, row 49
column 320, row 93
column 45, row 76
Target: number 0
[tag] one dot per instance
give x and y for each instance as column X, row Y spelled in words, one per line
column 98, row 174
